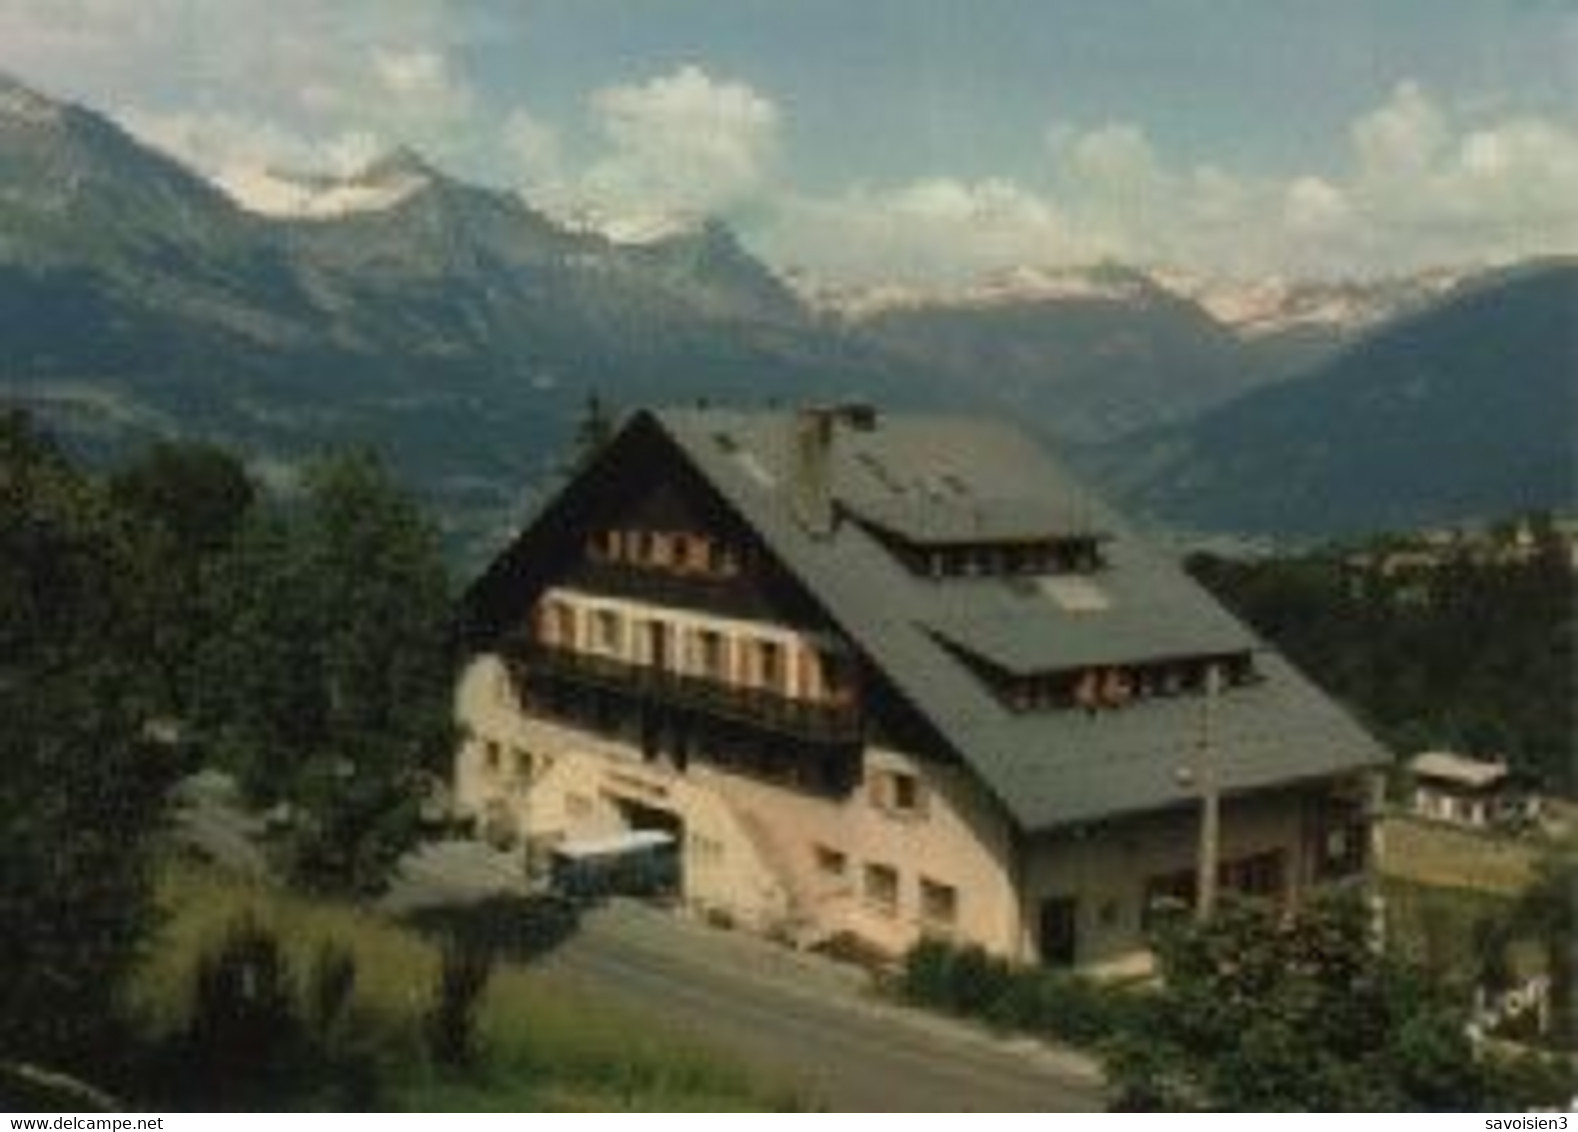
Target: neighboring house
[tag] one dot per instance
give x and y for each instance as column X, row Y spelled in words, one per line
column 891, row 676
column 1468, row 791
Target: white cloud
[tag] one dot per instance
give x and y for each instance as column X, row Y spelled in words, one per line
column 935, row 227
column 1313, row 205
column 1422, row 184
column 681, row 142
column 536, row 150
column 236, row 87
column 1401, row 138
column 421, row 80
column 1425, row 185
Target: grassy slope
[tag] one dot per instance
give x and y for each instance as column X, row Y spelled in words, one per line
column 1440, row 881
column 546, row 1046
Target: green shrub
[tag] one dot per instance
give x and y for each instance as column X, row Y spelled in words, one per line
column 973, row 983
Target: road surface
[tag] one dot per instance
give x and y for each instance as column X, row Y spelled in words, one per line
column 801, row 1019
column 814, row 1023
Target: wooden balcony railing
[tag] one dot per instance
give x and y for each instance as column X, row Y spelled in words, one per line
column 807, row 720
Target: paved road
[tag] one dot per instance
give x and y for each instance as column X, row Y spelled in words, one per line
column 812, row 1022
column 802, row 1019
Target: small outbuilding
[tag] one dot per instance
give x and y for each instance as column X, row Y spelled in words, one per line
column 1468, row 791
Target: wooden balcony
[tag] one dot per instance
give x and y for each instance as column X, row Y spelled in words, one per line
column 831, row 724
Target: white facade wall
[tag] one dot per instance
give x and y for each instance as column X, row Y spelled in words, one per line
column 758, row 851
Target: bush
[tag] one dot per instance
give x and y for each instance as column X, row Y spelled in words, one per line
column 253, row 1040
column 971, row 982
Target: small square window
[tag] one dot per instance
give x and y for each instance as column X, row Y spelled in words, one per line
column 491, row 754
column 831, row 862
column 939, row 903
column 882, row 886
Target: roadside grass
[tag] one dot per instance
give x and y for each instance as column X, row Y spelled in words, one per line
column 547, row 1044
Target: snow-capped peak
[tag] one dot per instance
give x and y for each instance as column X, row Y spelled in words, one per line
column 379, row 186
column 1018, row 284
column 19, row 103
column 1274, row 303
column 631, row 228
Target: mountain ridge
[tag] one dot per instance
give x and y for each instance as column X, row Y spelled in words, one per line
column 1460, row 412
column 461, row 329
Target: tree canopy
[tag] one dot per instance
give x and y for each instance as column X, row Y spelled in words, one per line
column 1474, row 651
column 81, row 787
column 1264, row 1011
column 329, row 689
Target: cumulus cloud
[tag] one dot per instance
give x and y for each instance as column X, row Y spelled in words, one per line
column 685, row 141
column 1422, row 183
column 932, row 228
column 536, row 151
column 233, row 87
column 1416, row 179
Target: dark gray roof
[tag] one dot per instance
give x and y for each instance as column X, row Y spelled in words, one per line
column 1047, row 768
column 929, row 516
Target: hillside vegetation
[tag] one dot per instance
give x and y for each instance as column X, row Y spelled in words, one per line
column 1462, row 412
column 542, row 1044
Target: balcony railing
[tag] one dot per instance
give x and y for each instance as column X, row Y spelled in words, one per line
column 831, row 723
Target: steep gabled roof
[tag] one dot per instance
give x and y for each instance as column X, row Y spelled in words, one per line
column 1048, row 768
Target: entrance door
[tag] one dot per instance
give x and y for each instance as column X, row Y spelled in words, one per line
column 660, row 874
column 1059, row 938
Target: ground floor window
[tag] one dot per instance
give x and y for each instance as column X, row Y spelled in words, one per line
column 830, row 862
column 939, row 903
column 882, row 887
column 1059, row 931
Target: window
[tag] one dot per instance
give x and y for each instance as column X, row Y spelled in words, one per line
column 939, row 903
column 837, row 676
column 1168, row 895
column 882, row 887
column 522, row 759
column 491, row 755
column 898, row 793
column 720, row 559
column 607, row 631
column 559, row 624
column 1258, row 875
column 709, row 653
column 770, row 665
column 680, row 555
column 830, row 862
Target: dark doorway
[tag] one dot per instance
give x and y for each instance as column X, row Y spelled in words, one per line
column 1059, row 938
column 639, row 815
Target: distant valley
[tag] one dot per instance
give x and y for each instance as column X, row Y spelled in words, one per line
column 459, row 330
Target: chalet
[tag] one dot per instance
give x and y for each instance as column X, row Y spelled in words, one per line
column 1468, row 791
column 891, row 676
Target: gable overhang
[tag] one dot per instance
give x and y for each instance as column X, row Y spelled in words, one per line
column 499, row 600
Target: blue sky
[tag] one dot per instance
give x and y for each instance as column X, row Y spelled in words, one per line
column 891, row 138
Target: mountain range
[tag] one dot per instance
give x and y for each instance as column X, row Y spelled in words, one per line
column 1467, row 410
column 460, row 330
